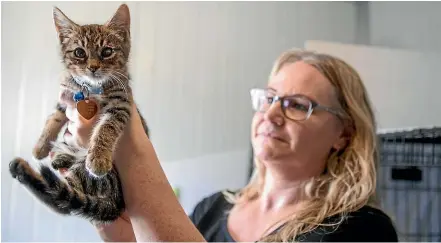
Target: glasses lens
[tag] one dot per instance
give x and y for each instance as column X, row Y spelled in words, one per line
column 260, row 101
column 297, row 108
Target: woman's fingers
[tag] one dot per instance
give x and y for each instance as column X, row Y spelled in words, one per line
column 120, row 230
column 66, row 97
column 79, row 129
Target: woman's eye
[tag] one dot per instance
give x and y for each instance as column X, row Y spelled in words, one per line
column 297, row 106
column 79, row 52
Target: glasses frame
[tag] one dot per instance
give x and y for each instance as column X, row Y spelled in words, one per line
column 313, row 105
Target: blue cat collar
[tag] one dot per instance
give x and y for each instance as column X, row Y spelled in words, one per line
column 89, row 90
column 95, row 90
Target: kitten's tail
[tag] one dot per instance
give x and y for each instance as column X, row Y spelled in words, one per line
column 94, row 208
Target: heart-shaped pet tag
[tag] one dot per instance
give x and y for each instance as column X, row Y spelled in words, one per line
column 87, row 108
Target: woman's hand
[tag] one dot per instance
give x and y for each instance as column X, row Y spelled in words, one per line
column 118, row 231
column 78, row 129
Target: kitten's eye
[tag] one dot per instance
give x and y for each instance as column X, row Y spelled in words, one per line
column 106, row 52
column 79, row 52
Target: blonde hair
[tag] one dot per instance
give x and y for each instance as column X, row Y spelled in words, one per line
column 349, row 181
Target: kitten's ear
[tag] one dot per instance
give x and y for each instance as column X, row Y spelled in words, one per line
column 63, row 24
column 121, row 18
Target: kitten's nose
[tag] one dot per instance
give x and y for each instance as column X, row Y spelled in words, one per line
column 93, row 68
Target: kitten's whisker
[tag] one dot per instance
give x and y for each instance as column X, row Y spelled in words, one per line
column 120, row 82
column 122, row 74
column 119, row 78
column 123, row 86
column 113, row 79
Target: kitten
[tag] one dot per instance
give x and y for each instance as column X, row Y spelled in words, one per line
column 95, row 58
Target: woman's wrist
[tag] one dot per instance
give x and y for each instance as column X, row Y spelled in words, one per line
column 154, row 211
column 141, row 176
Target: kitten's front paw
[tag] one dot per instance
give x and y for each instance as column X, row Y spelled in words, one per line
column 99, row 163
column 41, row 150
column 17, row 168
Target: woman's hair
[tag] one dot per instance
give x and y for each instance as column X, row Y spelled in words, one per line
column 349, row 181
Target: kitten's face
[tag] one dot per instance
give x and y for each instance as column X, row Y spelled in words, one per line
column 95, row 53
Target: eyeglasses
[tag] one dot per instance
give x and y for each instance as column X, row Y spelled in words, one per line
column 295, row 107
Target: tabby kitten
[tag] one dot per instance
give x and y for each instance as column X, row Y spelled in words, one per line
column 95, row 59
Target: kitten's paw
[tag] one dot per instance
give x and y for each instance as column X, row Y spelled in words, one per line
column 99, row 163
column 62, row 161
column 60, row 164
column 41, row 150
column 18, row 167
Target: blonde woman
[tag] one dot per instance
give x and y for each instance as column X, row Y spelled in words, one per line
column 313, row 134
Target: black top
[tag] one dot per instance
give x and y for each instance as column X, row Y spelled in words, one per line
column 364, row 225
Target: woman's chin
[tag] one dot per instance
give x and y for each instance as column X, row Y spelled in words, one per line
column 269, row 149
column 266, row 153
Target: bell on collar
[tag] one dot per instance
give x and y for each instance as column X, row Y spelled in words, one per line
column 78, row 96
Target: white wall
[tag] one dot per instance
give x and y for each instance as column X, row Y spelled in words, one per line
column 192, row 64
column 407, row 25
column 201, row 176
column 401, row 84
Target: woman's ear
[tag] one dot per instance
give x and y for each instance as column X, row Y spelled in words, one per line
column 344, row 138
column 340, row 144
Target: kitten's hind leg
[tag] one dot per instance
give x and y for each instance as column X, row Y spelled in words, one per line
column 48, row 187
column 80, row 194
column 103, row 199
column 26, row 175
column 62, row 161
column 65, row 156
column 60, row 191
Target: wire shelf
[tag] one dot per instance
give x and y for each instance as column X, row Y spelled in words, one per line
column 409, row 181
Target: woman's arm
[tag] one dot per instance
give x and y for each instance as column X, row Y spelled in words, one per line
column 151, row 205
column 153, row 208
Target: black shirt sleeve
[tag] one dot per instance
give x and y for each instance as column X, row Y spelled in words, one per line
column 199, row 210
column 204, row 207
column 365, row 225
column 209, row 217
column 372, row 227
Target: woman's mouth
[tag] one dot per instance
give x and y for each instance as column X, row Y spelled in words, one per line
column 272, row 136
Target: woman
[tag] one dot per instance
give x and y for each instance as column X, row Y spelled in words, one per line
column 314, row 139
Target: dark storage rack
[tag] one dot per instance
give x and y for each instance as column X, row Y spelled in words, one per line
column 409, row 182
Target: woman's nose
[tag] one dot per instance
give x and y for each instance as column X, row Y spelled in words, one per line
column 274, row 114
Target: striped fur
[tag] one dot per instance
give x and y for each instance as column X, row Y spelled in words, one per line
column 90, row 188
